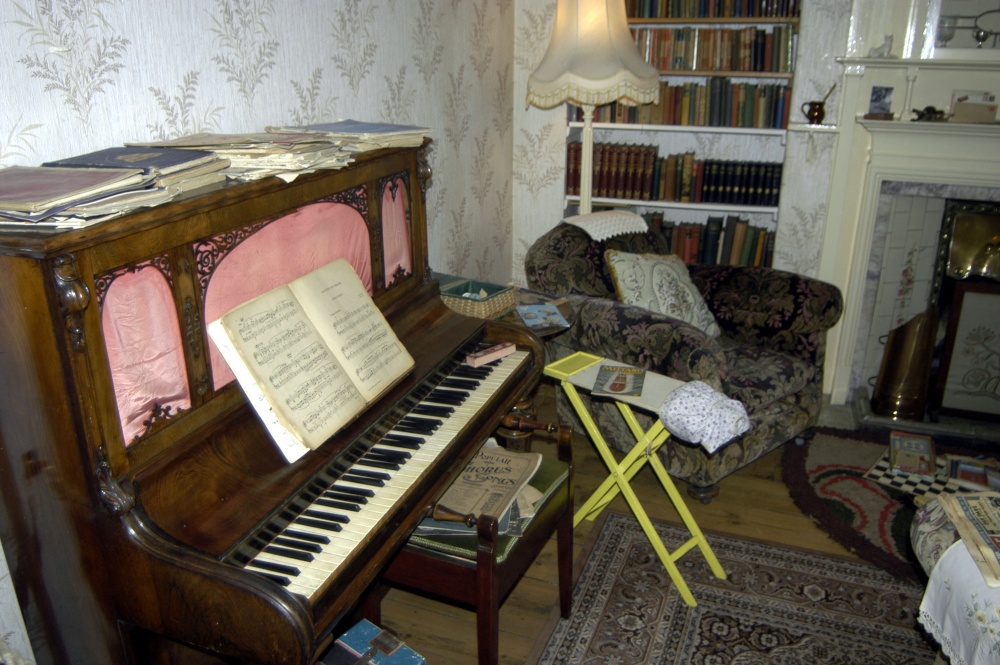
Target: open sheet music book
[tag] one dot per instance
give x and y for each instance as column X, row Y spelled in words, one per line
column 311, row 355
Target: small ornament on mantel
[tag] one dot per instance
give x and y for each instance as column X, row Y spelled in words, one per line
column 883, row 51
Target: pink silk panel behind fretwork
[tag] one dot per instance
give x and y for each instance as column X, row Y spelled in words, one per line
column 395, row 231
column 143, row 340
column 282, row 251
column 141, row 331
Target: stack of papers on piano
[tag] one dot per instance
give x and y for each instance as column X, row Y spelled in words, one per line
column 258, row 155
column 357, row 136
column 45, row 195
column 182, row 170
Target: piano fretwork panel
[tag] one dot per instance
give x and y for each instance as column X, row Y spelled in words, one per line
column 171, row 539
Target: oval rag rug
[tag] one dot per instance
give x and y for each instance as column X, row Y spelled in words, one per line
column 825, row 477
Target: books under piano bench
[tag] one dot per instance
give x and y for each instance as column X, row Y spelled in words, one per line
column 366, row 644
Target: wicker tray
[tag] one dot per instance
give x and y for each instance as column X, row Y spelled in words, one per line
column 480, row 300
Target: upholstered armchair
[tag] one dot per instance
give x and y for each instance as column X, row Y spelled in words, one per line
column 768, row 352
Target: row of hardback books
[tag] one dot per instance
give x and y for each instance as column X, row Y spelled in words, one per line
column 716, row 103
column 712, row 8
column 86, row 189
column 724, row 241
column 637, row 172
column 709, row 48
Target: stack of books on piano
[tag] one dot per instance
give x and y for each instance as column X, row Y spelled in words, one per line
column 86, row 189
column 257, row 155
column 357, row 136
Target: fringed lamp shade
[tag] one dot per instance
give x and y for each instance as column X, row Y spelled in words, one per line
column 591, row 61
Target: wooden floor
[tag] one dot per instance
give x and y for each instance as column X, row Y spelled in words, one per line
column 754, row 502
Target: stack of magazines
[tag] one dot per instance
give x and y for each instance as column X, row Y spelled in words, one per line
column 356, row 136
column 86, row 189
column 494, row 482
column 258, row 155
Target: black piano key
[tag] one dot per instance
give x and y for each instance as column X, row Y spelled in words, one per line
column 467, row 371
column 289, row 553
column 342, row 505
column 305, row 535
column 432, row 410
column 463, row 384
column 282, row 568
column 298, row 545
column 319, row 524
column 447, row 396
column 413, row 428
column 357, row 491
column 397, row 455
column 329, row 517
column 396, row 437
column 377, row 464
column 279, row 579
column 364, row 480
column 368, row 473
column 432, row 423
column 346, row 497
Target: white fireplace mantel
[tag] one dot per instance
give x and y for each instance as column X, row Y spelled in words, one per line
column 871, row 152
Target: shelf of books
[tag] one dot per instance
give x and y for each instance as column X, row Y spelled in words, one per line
column 642, row 127
column 714, row 102
column 687, row 10
column 632, row 173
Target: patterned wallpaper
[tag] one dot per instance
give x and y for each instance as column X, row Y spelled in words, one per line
column 87, row 74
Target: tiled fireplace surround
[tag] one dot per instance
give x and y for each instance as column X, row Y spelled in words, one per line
column 901, row 265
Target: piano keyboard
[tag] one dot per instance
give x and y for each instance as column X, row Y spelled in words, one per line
column 313, row 537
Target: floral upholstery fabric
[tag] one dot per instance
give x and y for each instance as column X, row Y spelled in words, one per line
column 661, row 284
column 769, row 355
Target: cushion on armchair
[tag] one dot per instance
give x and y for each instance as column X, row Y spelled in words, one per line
column 660, row 284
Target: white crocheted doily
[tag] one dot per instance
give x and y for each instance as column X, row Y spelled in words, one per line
column 608, row 223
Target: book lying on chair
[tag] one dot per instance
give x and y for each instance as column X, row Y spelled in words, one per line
column 311, row 355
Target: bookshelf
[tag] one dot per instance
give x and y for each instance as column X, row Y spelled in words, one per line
column 726, row 71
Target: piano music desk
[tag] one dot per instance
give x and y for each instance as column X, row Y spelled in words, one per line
column 579, row 371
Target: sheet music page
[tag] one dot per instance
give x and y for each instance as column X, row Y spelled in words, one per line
column 353, row 327
column 308, row 388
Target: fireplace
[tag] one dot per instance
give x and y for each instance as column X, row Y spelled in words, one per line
column 927, row 253
column 881, row 167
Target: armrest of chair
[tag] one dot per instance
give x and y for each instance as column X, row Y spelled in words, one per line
column 639, row 337
column 770, row 308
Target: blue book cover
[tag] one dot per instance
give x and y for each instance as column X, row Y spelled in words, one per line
column 151, row 160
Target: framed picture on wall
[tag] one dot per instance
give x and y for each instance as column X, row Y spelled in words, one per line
column 968, row 381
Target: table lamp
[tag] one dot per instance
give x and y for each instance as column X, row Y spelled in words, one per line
column 591, row 60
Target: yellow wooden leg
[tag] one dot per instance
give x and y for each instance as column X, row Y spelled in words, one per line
column 620, row 473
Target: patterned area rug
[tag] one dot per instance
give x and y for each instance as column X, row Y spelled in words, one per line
column 779, row 606
column 826, row 480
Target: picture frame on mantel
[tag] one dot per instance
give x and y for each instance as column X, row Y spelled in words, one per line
column 968, row 383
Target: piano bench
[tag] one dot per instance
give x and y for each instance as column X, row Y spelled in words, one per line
column 478, row 572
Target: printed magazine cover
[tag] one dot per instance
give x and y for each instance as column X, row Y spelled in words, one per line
column 616, row 380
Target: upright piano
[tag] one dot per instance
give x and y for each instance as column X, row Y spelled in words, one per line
column 147, row 516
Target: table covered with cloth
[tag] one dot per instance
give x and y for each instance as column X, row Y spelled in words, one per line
column 959, row 610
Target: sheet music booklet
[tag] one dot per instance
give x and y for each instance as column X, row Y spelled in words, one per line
column 311, row 355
